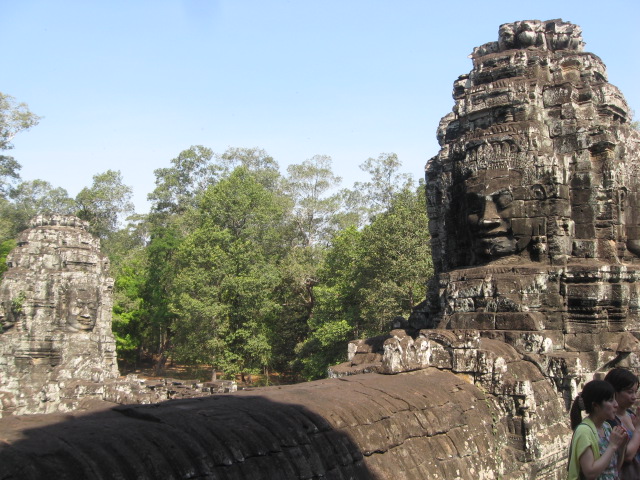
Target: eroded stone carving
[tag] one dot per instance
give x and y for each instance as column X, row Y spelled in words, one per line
column 55, row 312
column 533, row 197
column 533, row 209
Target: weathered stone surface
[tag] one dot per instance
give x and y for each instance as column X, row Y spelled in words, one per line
column 426, row 424
column 56, row 344
column 533, row 200
column 533, row 207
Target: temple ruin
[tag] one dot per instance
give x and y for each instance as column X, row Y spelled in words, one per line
column 56, row 343
column 533, row 201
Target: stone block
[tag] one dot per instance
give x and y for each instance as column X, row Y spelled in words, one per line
column 472, row 320
column 584, row 248
column 520, row 321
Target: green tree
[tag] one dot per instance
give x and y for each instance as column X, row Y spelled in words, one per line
column 5, row 248
column 31, row 198
column 178, row 187
column 257, row 161
column 335, row 316
column 143, row 266
column 144, row 311
column 223, row 296
column 157, row 291
column 14, row 118
column 397, row 262
column 105, row 204
column 385, row 181
column 310, row 184
column 129, row 309
column 368, row 278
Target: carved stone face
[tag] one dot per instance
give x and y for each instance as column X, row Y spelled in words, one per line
column 489, row 212
column 506, row 37
column 488, row 209
column 632, row 222
column 81, row 311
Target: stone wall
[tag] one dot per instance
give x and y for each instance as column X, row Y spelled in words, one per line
column 425, row 424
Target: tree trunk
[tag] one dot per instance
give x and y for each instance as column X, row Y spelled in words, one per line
column 162, row 357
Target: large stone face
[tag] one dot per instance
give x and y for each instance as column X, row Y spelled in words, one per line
column 533, row 197
column 538, row 159
column 533, row 205
column 55, row 310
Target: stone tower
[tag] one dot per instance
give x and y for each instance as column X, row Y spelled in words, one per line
column 533, row 200
column 533, row 203
column 56, row 344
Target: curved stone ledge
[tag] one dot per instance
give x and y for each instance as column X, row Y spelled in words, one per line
column 425, row 424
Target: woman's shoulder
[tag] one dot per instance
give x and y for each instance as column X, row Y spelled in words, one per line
column 587, row 422
column 586, row 428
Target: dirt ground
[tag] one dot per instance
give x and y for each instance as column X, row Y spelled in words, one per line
column 203, row 374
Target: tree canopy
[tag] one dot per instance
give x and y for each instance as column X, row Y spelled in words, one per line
column 14, row 118
column 238, row 267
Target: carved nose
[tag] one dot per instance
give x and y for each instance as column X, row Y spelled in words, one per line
column 489, row 222
column 490, row 217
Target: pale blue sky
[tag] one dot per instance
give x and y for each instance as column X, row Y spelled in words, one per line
column 128, row 84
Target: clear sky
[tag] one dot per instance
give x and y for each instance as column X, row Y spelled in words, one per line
column 128, row 84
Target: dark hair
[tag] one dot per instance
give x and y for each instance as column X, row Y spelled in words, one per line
column 621, row 379
column 593, row 393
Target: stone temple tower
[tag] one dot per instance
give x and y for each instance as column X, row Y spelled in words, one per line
column 56, row 344
column 533, row 201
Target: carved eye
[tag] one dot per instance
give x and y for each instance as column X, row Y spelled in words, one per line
column 503, row 199
column 475, row 204
column 539, row 192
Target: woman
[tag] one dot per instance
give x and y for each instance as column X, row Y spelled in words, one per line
column 594, row 446
column 625, row 385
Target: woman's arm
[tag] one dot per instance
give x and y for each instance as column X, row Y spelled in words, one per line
column 634, row 443
column 632, row 446
column 590, row 467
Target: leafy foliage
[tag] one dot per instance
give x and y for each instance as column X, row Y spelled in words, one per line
column 368, row 277
column 385, row 181
column 14, row 118
column 243, row 270
column 105, row 203
column 35, row 197
column 315, row 211
column 223, row 298
column 5, row 249
column 178, row 187
column 129, row 308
